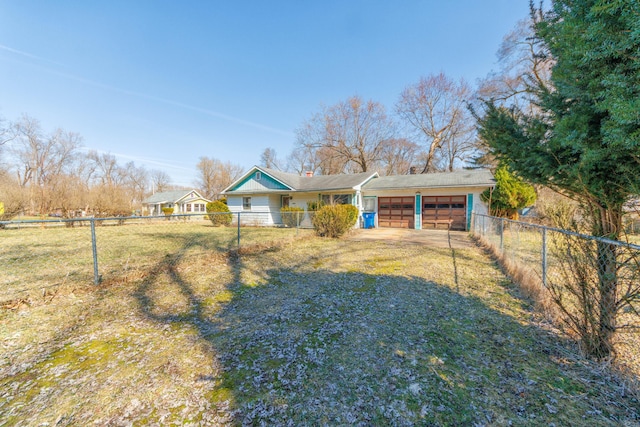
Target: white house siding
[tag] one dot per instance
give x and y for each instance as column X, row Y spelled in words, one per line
column 274, row 203
column 265, row 209
column 479, row 206
column 300, row 200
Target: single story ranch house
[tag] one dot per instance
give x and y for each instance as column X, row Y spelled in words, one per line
column 403, row 201
column 182, row 202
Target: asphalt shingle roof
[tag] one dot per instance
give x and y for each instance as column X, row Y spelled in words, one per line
column 464, row 178
column 166, row 196
column 320, row 182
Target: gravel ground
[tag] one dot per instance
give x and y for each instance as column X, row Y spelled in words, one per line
column 314, row 332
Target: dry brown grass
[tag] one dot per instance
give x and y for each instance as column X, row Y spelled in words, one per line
column 627, row 345
column 307, row 332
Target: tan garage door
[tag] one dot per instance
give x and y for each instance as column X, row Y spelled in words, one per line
column 397, row 212
column 438, row 211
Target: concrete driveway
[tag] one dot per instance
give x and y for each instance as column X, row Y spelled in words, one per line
column 428, row 237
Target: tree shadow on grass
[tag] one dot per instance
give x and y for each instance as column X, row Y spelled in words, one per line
column 309, row 346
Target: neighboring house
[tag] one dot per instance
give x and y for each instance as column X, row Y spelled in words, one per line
column 406, row 201
column 182, row 202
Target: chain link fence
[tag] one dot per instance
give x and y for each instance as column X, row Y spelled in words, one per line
column 591, row 285
column 40, row 256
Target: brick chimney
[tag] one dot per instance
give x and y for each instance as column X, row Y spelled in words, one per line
column 412, row 170
column 308, row 173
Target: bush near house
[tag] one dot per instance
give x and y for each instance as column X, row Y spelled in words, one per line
column 509, row 196
column 334, row 220
column 219, row 213
column 291, row 216
column 315, row 205
column 168, row 212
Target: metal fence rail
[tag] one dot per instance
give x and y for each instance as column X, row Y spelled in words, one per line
column 37, row 255
column 534, row 246
column 570, row 269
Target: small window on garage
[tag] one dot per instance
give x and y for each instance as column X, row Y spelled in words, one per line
column 246, row 203
column 369, row 204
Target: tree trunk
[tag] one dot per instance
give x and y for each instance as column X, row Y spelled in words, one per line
column 607, row 290
column 608, row 224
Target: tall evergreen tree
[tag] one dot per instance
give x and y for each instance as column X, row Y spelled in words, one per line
column 585, row 140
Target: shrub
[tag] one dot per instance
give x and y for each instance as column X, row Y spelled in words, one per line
column 168, row 212
column 220, row 213
column 352, row 213
column 334, row 220
column 315, row 206
column 291, row 216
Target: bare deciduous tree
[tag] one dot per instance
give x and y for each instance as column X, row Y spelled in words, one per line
column 6, row 133
column 398, row 155
column 347, row 137
column 160, row 180
column 303, row 159
column 42, row 159
column 12, row 196
column 524, row 63
column 269, row 159
column 435, row 110
column 136, row 181
column 105, row 168
column 215, row 176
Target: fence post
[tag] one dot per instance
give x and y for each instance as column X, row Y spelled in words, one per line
column 501, row 235
column 238, row 230
column 94, row 247
column 544, row 257
column 472, row 223
column 297, row 222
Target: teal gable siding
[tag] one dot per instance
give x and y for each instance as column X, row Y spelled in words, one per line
column 265, row 182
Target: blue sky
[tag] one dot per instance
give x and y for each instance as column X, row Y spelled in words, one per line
column 163, row 83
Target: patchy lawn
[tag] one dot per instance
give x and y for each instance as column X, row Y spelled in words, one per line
column 306, row 333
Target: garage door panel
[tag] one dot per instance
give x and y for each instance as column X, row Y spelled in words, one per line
column 440, row 211
column 396, row 212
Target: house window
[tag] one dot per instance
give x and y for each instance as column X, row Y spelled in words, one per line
column 341, row 199
column 286, row 201
column 369, row 204
column 258, row 176
column 246, row 203
column 188, row 207
column 336, row 199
